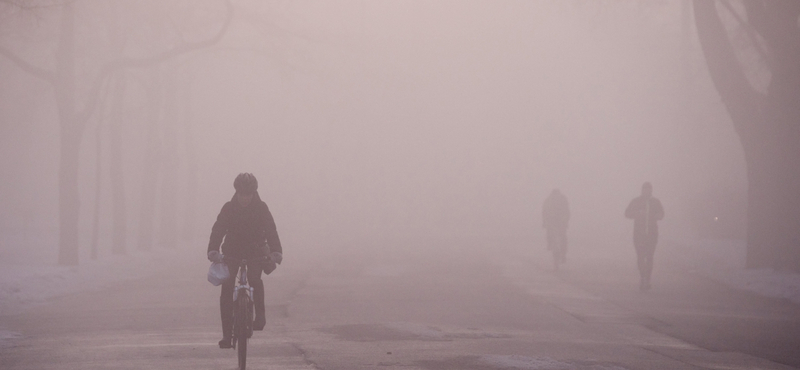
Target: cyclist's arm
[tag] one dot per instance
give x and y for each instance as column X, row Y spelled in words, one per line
column 273, row 241
column 219, row 229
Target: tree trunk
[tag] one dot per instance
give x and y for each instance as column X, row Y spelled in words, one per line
column 168, row 222
column 767, row 125
column 98, row 185
column 72, row 121
column 119, row 222
column 152, row 161
column 70, row 140
column 190, row 196
column 773, row 195
column 68, row 197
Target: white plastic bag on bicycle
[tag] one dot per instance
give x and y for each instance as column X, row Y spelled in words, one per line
column 218, row 273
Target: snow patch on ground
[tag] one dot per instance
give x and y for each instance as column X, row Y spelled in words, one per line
column 522, row 362
column 538, row 363
column 767, row 282
column 724, row 261
column 26, row 285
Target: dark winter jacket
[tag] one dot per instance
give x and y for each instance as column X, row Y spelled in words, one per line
column 555, row 211
column 645, row 212
column 248, row 232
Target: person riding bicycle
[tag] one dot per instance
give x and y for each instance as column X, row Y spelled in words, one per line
column 249, row 231
column 555, row 217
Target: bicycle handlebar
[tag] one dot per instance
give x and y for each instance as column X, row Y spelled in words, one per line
column 241, row 261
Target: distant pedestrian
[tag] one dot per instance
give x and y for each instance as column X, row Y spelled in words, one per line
column 555, row 217
column 646, row 211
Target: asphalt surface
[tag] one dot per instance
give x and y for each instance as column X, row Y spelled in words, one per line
column 441, row 306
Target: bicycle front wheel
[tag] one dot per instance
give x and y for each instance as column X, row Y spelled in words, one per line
column 242, row 348
column 244, row 327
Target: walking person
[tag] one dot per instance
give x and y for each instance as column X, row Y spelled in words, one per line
column 555, row 217
column 248, row 229
column 646, row 211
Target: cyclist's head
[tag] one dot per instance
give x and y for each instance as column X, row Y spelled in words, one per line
column 245, row 184
column 647, row 189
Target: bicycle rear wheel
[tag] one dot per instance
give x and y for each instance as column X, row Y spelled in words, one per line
column 242, row 348
column 244, row 327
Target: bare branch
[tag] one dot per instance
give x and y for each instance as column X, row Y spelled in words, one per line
column 27, row 67
column 124, row 63
column 727, row 74
column 270, row 28
column 750, row 29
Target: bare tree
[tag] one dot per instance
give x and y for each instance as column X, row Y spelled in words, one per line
column 119, row 226
column 73, row 118
column 768, row 123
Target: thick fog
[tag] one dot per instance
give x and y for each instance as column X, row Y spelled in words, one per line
column 370, row 123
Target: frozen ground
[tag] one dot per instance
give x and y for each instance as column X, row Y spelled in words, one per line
column 542, row 363
column 23, row 285
column 723, row 261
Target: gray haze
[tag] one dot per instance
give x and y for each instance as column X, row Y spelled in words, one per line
column 374, row 123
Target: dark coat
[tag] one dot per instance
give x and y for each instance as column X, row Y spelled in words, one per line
column 248, row 232
column 645, row 212
column 555, row 211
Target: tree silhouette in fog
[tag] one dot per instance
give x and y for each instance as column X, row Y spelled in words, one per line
column 767, row 123
column 72, row 115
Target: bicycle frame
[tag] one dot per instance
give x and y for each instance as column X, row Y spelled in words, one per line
column 242, row 284
column 242, row 287
column 242, row 313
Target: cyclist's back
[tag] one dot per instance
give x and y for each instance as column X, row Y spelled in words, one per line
column 555, row 218
column 244, row 229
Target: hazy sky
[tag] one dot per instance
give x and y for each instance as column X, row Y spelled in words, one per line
column 372, row 120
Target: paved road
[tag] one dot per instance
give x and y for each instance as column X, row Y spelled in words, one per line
column 447, row 307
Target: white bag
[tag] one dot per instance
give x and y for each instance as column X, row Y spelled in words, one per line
column 218, row 273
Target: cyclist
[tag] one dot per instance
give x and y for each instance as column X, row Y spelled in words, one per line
column 249, row 232
column 555, row 217
column 645, row 210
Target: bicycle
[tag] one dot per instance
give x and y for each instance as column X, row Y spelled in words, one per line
column 557, row 243
column 243, row 311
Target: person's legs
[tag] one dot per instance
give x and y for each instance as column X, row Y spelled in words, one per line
column 641, row 263
column 554, row 245
column 226, row 310
column 644, row 260
column 254, row 278
column 551, row 238
column 649, row 253
column 563, row 245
